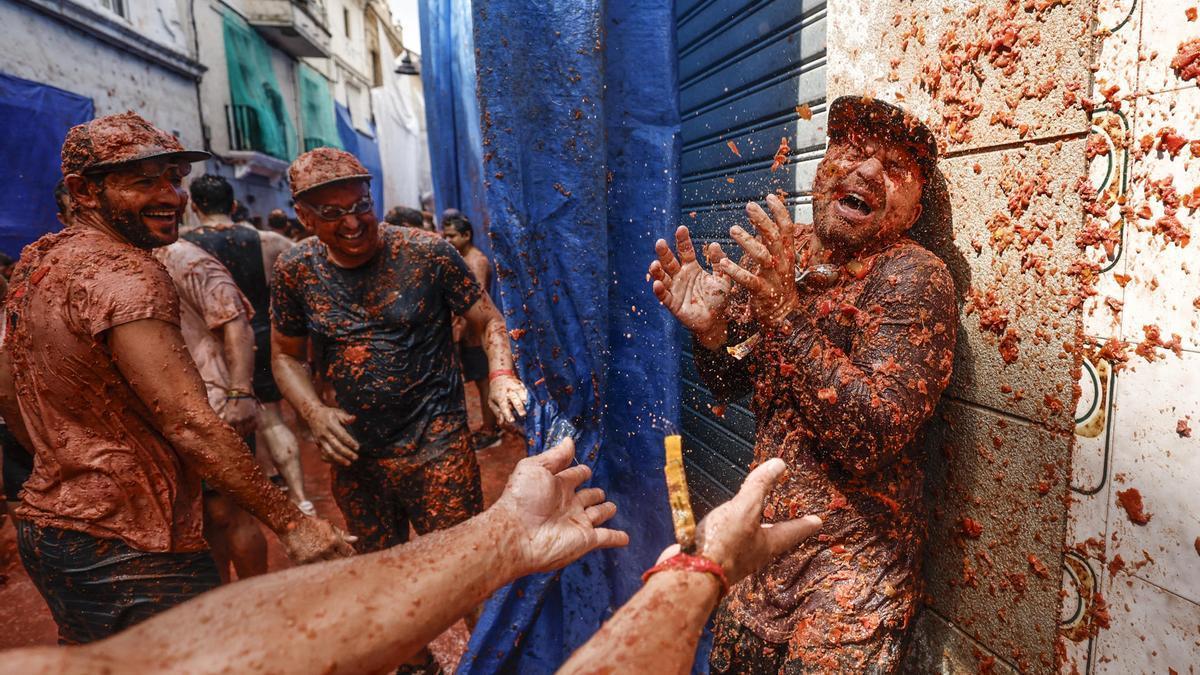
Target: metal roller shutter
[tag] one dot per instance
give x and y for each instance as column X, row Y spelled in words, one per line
column 744, row 67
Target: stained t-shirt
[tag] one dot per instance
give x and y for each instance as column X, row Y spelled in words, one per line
column 842, row 398
column 208, row 299
column 100, row 465
column 382, row 333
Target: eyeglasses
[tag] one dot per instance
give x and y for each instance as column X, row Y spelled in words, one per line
column 331, row 212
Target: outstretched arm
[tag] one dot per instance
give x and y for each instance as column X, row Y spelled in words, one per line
column 365, row 614
column 153, row 358
column 658, row 629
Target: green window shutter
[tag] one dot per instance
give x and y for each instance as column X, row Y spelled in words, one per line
column 316, row 110
column 257, row 116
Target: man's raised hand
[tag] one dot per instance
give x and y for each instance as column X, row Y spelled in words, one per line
column 772, row 284
column 696, row 297
column 552, row 521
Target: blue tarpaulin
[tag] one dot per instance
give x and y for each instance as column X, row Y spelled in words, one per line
column 34, row 120
column 579, row 129
column 366, row 149
column 452, row 114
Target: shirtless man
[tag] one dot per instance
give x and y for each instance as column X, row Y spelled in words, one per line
column 101, row 388
column 457, row 230
column 377, row 302
column 846, row 368
column 214, row 317
column 249, row 255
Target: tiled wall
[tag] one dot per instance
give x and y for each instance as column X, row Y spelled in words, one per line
column 1017, row 446
column 1133, row 419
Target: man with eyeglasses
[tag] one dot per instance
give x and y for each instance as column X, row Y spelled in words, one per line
column 95, row 376
column 377, row 301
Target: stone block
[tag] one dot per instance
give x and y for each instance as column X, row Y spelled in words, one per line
column 996, row 489
column 1012, row 251
column 980, row 73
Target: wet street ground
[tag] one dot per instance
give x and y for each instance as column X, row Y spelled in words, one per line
column 24, row 619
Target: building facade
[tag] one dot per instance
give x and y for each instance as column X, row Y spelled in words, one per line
column 255, row 82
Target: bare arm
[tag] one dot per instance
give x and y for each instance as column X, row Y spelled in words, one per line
column 153, row 358
column 370, row 612
column 288, row 355
column 237, row 343
column 658, row 629
column 273, row 244
column 506, row 395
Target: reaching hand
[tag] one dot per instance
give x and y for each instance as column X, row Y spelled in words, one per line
column 241, row 414
column 311, row 539
column 734, row 536
column 334, row 440
column 554, row 523
column 508, row 398
column 772, row 288
column 697, row 298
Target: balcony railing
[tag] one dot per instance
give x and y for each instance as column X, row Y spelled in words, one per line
column 241, row 121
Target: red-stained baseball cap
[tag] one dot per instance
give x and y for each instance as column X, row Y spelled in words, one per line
column 324, row 166
column 110, row 141
column 850, row 115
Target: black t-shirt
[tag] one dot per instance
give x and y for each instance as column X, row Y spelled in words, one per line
column 382, row 334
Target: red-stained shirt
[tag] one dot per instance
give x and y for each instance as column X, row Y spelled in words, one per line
column 842, row 398
column 100, row 466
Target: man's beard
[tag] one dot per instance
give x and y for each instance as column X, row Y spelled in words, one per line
column 129, row 224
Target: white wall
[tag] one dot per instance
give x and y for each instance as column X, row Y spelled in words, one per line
column 43, row 49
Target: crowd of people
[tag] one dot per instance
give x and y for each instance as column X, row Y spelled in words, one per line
column 150, row 364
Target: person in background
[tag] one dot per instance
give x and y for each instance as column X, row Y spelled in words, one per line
column 402, row 216
column 6, row 265
column 277, row 222
column 96, row 380
column 214, row 319
column 540, row 523
column 377, row 302
column 249, row 254
column 457, row 230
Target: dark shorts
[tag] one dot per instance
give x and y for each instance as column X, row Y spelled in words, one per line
column 474, row 363
column 737, row 649
column 98, row 587
column 265, row 389
column 380, row 498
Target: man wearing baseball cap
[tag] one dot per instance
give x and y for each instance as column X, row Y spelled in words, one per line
column 110, row 522
column 844, row 333
column 377, row 301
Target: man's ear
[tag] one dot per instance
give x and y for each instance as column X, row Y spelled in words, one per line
column 915, row 217
column 84, row 192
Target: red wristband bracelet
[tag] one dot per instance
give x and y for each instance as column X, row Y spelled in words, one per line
column 690, row 563
column 501, row 373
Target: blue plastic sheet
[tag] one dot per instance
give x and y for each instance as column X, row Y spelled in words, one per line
column 579, row 129
column 366, row 149
column 452, row 113
column 34, row 120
